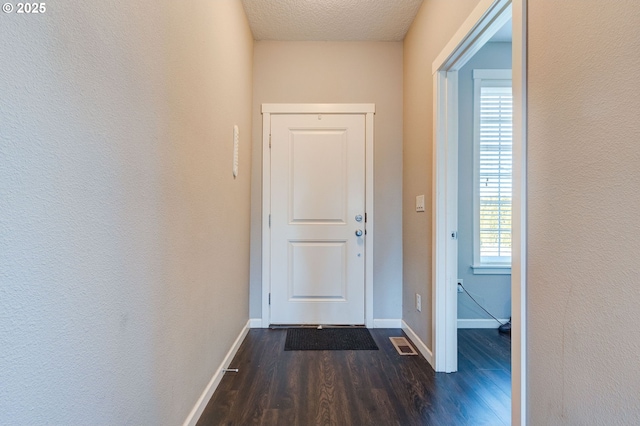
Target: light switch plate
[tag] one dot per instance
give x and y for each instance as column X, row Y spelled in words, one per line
column 420, row 203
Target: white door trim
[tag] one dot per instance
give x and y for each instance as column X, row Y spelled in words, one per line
column 483, row 22
column 368, row 111
column 445, row 223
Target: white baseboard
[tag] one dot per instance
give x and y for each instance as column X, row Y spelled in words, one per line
column 424, row 350
column 387, row 323
column 255, row 323
column 202, row 402
column 479, row 323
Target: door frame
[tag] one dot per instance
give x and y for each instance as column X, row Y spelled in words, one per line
column 481, row 24
column 366, row 110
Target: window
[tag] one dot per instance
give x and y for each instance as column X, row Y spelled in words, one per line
column 493, row 119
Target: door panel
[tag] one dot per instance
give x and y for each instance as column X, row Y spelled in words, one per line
column 317, row 271
column 319, row 170
column 317, row 190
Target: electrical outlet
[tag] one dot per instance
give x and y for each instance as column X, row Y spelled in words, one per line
column 460, row 290
column 418, row 303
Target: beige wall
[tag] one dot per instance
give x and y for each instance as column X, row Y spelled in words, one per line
column 340, row 72
column 124, row 266
column 433, row 27
column 584, row 199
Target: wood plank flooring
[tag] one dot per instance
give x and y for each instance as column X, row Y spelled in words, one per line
column 274, row 387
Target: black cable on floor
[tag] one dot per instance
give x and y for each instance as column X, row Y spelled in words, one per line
column 488, row 313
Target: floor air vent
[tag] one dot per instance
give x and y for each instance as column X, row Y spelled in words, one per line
column 403, row 346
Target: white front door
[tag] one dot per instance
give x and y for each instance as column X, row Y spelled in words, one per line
column 317, row 210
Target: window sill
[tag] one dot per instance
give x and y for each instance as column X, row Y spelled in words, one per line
column 491, row 269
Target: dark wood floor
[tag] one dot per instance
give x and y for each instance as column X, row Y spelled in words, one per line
column 274, row 387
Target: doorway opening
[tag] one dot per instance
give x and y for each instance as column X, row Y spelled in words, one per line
column 484, row 22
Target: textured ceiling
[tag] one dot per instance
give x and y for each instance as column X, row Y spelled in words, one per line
column 330, row 20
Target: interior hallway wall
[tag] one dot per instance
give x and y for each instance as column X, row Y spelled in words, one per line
column 124, row 260
column 436, row 22
column 584, row 199
column 339, row 72
column 492, row 291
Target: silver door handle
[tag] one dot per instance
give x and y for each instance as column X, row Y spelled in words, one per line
column 359, row 233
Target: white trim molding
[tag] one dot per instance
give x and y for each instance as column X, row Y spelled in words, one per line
column 491, row 269
column 368, row 111
column 445, row 222
column 202, row 402
column 387, row 323
column 480, row 323
column 485, row 20
column 417, row 342
column 318, row 108
column 266, row 218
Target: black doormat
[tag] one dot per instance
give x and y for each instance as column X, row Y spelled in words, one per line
column 329, row 339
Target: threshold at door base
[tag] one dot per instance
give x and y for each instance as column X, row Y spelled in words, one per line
column 319, row 326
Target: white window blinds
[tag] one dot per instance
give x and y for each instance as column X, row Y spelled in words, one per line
column 494, row 170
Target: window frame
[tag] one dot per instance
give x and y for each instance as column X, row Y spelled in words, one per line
column 483, row 77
